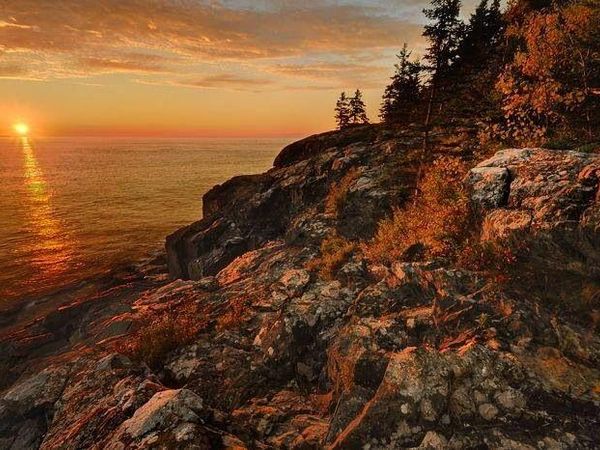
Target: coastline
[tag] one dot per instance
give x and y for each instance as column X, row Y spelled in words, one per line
column 260, row 337
column 18, row 311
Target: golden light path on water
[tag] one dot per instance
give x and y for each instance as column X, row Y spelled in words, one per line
column 51, row 247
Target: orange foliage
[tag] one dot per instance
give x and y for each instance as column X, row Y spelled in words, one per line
column 335, row 251
column 496, row 260
column 549, row 78
column 155, row 340
column 338, row 192
column 438, row 222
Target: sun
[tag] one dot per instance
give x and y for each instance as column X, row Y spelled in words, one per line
column 21, row 128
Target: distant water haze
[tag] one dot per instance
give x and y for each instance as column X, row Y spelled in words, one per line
column 71, row 208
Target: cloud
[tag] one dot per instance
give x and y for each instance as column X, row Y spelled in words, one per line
column 75, row 38
column 225, row 80
column 132, row 63
column 13, row 71
column 347, row 74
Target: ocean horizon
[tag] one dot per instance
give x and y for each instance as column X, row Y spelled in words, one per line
column 75, row 207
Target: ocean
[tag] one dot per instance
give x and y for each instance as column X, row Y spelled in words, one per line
column 72, row 208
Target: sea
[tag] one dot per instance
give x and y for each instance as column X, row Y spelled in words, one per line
column 73, row 208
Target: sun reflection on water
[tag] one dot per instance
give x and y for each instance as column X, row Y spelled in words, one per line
column 49, row 244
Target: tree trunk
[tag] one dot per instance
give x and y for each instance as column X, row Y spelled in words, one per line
column 425, row 147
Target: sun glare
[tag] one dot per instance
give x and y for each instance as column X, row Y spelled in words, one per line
column 21, row 128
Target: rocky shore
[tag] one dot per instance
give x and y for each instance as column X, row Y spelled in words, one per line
column 260, row 349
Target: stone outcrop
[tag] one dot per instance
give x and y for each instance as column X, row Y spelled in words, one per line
column 247, row 211
column 414, row 354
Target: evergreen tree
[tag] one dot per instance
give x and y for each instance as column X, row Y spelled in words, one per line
column 342, row 111
column 483, row 35
column 358, row 109
column 479, row 63
column 444, row 33
column 402, row 96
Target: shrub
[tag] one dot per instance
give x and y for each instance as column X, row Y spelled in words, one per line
column 334, row 202
column 154, row 341
column 335, row 251
column 593, row 147
column 547, row 88
column 435, row 225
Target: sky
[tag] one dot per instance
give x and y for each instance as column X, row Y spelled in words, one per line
column 196, row 67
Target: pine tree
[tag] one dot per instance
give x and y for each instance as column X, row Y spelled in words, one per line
column 358, row 109
column 480, row 58
column 342, row 111
column 483, row 35
column 444, row 33
column 402, row 96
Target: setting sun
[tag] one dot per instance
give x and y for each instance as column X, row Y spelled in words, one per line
column 21, row 128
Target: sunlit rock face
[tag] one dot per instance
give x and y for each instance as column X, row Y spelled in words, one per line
column 555, row 189
column 546, row 197
column 407, row 354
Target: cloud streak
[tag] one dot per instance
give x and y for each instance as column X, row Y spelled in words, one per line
column 75, row 38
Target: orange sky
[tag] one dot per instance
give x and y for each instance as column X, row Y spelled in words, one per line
column 195, row 67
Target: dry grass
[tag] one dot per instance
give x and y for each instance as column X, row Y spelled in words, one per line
column 335, row 251
column 155, row 340
column 437, row 224
column 334, row 202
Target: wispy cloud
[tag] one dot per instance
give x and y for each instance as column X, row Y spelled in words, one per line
column 225, row 80
column 13, row 71
column 207, row 29
column 75, row 38
column 125, row 63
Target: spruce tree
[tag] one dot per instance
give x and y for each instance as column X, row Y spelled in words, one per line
column 402, row 97
column 479, row 62
column 444, row 33
column 483, row 34
column 358, row 109
column 342, row 111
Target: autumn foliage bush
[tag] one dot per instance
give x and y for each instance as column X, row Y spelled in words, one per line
column 497, row 260
column 548, row 89
column 438, row 223
column 335, row 251
column 338, row 192
column 156, row 339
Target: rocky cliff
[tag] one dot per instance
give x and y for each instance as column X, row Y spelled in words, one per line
column 426, row 353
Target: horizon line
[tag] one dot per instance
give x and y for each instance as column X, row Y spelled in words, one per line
column 168, row 136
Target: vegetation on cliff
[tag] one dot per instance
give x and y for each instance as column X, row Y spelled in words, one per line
column 362, row 293
column 529, row 75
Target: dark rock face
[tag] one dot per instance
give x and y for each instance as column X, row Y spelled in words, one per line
column 247, row 211
column 311, row 146
column 419, row 354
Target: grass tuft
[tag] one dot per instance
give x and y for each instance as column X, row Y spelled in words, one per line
column 154, row 341
column 334, row 202
column 437, row 224
column 335, row 251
